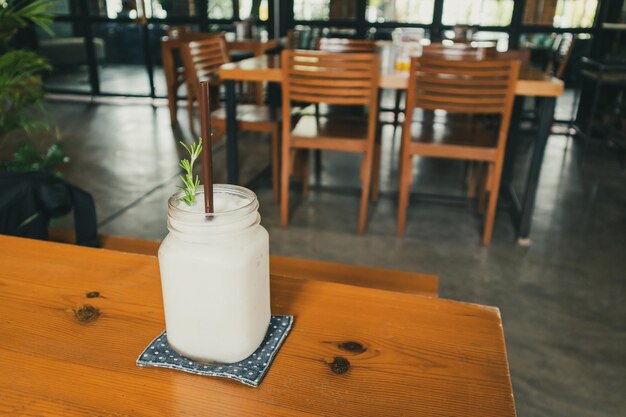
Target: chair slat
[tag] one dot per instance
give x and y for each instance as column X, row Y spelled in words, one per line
column 458, row 108
column 313, row 73
column 460, row 91
column 482, row 73
column 333, row 91
column 330, row 99
column 456, row 99
column 462, row 82
column 459, row 86
column 317, row 82
column 346, row 45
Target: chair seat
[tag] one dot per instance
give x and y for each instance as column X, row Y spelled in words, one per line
column 467, row 133
column 340, row 133
column 454, row 139
column 340, row 127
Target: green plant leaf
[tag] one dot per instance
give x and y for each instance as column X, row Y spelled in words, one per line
column 190, row 184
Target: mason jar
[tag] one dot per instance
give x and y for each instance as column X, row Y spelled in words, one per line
column 215, row 276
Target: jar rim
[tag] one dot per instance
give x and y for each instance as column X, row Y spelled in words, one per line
column 223, row 188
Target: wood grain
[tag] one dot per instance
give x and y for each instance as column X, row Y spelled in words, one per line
column 417, row 355
column 384, row 279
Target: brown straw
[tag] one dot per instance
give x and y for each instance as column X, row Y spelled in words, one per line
column 207, row 148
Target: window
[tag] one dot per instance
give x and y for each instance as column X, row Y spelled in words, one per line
column 575, row 13
column 404, row 11
column 161, row 9
column 254, row 9
column 477, row 12
column 220, row 9
column 325, row 9
column 310, row 10
column 562, row 13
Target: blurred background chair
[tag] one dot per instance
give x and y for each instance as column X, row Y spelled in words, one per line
column 459, row 87
column 454, row 51
column 336, row 79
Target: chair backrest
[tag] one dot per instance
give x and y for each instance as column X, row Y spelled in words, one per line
column 332, row 78
column 470, row 87
column 202, row 58
column 324, row 77
column 343, row 45
column 458, row 51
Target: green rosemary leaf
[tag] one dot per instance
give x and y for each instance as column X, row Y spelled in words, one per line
column 190, row 183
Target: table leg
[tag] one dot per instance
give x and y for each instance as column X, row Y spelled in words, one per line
column 232, row 150
column 511, row 143
column 170, row 80
column 545, row 125
column 273, row 95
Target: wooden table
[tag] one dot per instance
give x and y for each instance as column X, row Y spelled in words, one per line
column 531, row 83
column 169, row 47
column 409, row 355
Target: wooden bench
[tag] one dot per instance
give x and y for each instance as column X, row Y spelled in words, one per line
column 378, row 278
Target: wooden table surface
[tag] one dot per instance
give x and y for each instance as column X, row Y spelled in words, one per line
column 532, row 82
column 411, row 355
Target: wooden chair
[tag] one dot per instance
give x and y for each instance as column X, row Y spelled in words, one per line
column 468, row 87
column 181, row 33
column 336, row 79
column 202, row 60
column 456, row 51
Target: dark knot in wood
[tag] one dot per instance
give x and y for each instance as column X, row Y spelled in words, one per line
column 86, row 313
column 92, row 294
column 339, row 365
column 354, row 347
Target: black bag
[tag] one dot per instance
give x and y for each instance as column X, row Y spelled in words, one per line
column 29, row 200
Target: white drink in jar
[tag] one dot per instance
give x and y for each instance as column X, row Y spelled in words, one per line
column 215, row 276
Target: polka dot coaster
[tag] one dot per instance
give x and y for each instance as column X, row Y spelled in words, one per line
column 249, row 371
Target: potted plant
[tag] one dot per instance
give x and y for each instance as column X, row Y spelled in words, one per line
column 31, row 192
column 22, row 92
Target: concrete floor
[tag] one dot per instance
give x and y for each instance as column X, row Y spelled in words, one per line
column 561, row 299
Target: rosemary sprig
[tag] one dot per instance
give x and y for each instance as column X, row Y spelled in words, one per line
column 190, row 184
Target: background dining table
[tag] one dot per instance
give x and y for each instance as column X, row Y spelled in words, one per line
column 352, row 350
column 531, row 83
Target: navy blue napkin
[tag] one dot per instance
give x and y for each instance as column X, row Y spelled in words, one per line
column 249, row 371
